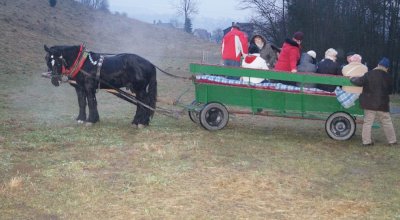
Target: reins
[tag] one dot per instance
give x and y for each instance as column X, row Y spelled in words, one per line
column 163, row 71
column 172, row 75
column 131, row 98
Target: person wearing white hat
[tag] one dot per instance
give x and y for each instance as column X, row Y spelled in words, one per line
column 329, row 66
column 307, row 62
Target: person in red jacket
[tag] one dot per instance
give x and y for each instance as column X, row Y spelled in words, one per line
column 290, row 54
column 234, row 46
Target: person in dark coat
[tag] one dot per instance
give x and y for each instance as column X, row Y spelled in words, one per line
column 374, row 99
column 329, row 66
column 267, row 51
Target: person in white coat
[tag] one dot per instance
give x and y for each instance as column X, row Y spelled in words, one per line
column 254, row 61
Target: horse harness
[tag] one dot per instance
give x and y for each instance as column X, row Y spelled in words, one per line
column 99, row 64
column 79, row 62
column 77, row 65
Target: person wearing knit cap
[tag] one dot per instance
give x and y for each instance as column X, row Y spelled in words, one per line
column 312, row 53
column 354, row 69
column 234, row 46
column 307, row 64
column 348, row 55
column 290, row 53
column 377, row 85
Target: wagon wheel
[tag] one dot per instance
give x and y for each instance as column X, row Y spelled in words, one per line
column 193, row 114
column 214, row 116
column 340, row 126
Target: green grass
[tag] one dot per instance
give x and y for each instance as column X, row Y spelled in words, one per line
column 256, row 168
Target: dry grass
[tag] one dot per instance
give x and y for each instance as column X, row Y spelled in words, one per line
column 15, row 183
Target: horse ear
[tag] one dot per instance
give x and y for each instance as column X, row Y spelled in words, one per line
column 46, row 48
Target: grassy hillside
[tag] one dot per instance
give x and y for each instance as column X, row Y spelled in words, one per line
column 27, row 25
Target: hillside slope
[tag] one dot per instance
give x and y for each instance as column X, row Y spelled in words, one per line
column 28, row 25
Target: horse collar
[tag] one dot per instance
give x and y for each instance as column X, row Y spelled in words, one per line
column 78, row 63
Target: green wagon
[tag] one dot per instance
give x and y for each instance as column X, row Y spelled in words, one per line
column 209, row 109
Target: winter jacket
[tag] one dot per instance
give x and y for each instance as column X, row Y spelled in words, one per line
column 306, row 64
column 254, row 61
column 234, row 45
column 328, row 66
column 266, row 52
column 289, row 56
column 354, row 69
column 377, row 85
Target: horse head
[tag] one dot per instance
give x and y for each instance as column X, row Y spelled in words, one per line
column 59, row 59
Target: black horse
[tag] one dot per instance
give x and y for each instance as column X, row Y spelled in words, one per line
column 92, row 70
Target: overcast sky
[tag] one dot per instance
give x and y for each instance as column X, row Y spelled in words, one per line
column 212, row 13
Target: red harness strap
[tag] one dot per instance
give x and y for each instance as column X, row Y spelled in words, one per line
column 77, row 66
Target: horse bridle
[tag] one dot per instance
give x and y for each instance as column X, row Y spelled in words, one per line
column 60, row 67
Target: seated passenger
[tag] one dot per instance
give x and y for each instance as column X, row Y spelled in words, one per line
column 329, row 66
column 289, row 56
column 354, row 69
column 308, row 64
column 254, row 61
column 267, row 51
column 349, row 94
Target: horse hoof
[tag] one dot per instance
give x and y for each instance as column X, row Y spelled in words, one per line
column 88, row 124
column 141, row 126
column 80, row 122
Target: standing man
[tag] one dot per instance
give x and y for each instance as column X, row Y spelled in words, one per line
column 374, row 99
column 234, row 46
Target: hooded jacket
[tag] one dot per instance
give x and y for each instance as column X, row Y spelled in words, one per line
column 266, row 52
column 306, row 64
column 234, row 45
column 289, row 56
column 377, row 85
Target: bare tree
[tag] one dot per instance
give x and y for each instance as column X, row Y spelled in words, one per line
column 217, row 35
column 96, row 4
column 269, row 17
column 187, row 8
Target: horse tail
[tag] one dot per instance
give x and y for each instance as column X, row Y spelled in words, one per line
column 152, row 92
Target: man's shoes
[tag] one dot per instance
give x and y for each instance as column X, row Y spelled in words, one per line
column 368, row 145
column 394, row 144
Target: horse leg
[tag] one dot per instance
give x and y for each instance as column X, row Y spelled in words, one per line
column 82, row 104
column 92, row 104
column 142, row 116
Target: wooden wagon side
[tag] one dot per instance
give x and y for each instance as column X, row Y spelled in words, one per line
column 300, row 103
